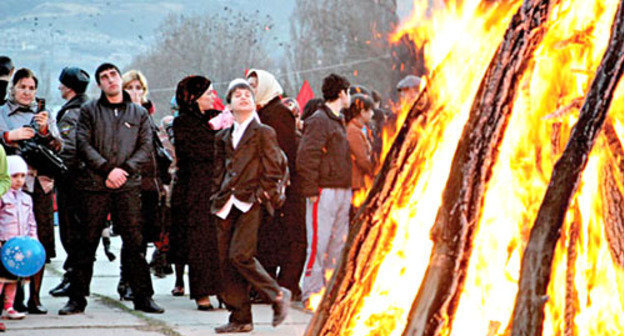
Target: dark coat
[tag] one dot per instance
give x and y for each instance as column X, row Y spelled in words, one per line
column 279, row 117
column 67, row 121
column 248, row 171
column 110, row 136
column 273, row 237
column 193, row 223
column 323, row 157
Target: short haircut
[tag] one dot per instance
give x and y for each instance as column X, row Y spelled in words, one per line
column 359, row 103
column 311, row 106
column 133, row 75
column 24, row 73
column 103, row 67
column 6, row 65
column 333, row 85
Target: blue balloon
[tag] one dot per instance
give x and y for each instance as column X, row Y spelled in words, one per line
column 23, row 256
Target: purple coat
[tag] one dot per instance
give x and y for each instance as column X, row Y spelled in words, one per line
column 16, row 215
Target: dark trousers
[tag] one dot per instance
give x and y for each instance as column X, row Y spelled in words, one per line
column 294, row 256
column 125, row 208
column 237, row 238
column 68, row 205
column 149, row 225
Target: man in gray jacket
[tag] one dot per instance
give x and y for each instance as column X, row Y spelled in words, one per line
column 113, row 139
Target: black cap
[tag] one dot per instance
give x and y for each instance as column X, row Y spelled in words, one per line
column 75, row 79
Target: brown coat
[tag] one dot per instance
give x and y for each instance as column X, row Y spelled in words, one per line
column 361, row 159
column 254, row 167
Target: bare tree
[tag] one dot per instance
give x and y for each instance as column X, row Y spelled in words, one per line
column 219, row 46
column 349, row 37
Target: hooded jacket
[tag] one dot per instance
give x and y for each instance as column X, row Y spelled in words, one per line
column 110, row 136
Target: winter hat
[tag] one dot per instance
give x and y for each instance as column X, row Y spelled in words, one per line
column 410, row 81
column 189, row 90
column 268, row 88
column 238, row 83
column 16, row 165
column 75, row 79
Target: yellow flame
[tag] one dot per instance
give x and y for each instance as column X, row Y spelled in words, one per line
column 460, row 39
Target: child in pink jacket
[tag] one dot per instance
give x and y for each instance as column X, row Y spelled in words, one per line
column 16, row 219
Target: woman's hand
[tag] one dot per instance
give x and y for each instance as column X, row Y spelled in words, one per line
column 22, row 133
column 41, row 119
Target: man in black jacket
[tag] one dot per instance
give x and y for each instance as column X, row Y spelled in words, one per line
column 324, row 168
column 73, row 84
column 247, row 171
column 113, row 139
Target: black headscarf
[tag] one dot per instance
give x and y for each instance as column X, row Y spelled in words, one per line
column 189, row 90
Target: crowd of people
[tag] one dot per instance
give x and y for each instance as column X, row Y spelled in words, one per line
column 253, row 195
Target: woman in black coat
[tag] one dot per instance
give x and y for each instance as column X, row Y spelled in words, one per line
column 191, row 196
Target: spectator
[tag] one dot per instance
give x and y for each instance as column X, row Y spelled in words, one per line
column 194, row 143
column 16, row 219
column 113, row 139
column 324, row 166
column 281, row 237
column 73, row 84
column 22, row 118
column 6, row 71
column 246, row 174
column 360, row 114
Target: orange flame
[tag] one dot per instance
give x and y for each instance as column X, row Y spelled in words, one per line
column 459, row 39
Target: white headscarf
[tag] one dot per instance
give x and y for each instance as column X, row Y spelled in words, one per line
column 268, row 88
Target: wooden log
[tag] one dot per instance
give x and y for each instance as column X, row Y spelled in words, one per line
column 612, row 194
column 528, row 314
column 337, row 300
column 471, row 169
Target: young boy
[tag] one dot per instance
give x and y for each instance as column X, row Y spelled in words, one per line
column 248, row 167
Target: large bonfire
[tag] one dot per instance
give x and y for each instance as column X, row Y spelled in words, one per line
column 438, row 247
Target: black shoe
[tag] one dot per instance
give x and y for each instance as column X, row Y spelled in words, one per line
column 206, row 307
column 20, row 307
column 148, row 306
column 234, row 327
column 72, row 307
column 61, row 290
column 280, row 307
column 36, row 309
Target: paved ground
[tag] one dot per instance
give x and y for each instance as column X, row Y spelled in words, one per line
column 107, row 316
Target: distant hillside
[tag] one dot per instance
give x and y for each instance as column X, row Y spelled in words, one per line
column 48, row 35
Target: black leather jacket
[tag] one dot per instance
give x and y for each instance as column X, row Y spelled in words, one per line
column 112, row 136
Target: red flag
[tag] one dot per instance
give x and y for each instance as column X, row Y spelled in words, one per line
column 305, row 94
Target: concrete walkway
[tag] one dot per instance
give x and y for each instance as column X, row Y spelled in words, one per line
column 107, row 316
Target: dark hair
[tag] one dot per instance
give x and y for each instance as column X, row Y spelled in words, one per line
column 311, row 106
column 103, row 67
column 355, row 89
column 359, row 103
column 24, row 73
column 6, row 65
column 376, row 96
column 333, row 85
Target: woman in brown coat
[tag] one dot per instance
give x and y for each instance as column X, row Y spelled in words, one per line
column 358, row 115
